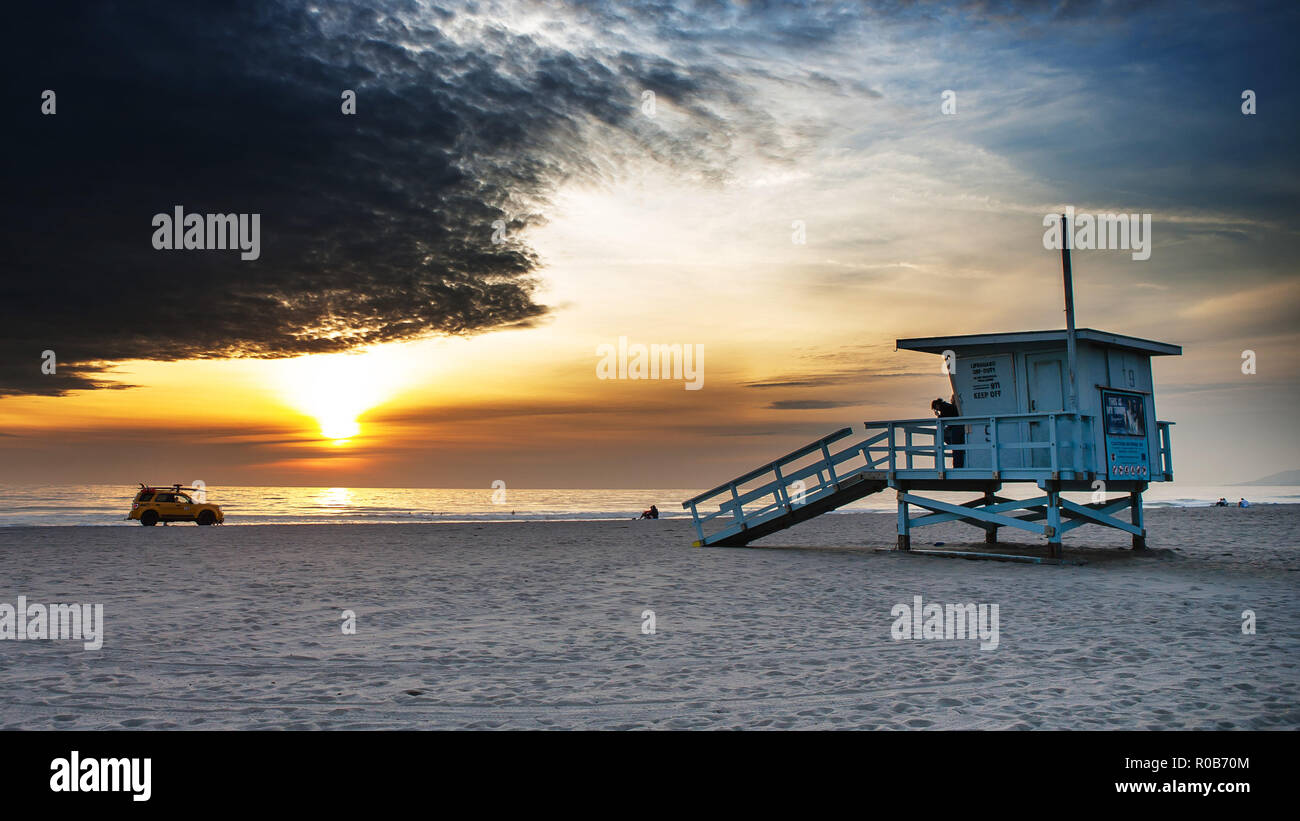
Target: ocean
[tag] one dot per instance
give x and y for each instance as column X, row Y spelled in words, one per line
column 46, row 505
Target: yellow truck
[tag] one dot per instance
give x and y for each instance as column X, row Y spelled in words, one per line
column 173, row 503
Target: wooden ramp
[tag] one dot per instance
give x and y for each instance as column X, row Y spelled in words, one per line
column 800, row 485
column 851, row 489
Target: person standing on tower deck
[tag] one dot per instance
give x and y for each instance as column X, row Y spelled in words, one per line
column 955, row 435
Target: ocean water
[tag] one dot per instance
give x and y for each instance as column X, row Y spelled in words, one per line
column 44, row 505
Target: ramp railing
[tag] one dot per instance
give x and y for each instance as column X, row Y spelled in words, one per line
column 810, row 474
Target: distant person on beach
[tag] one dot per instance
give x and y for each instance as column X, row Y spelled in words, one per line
column 1243, row 503
column 1221, row 503
column 652, row 513
column 955, row 435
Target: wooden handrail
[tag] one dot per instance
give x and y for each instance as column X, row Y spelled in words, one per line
column 789, row 457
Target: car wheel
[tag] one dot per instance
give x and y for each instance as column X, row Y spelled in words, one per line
column 149, row 518
column 206, row 518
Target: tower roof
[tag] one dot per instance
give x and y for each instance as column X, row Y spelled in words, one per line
column 939, row 344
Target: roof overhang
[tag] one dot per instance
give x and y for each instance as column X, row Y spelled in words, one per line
column 939, row 344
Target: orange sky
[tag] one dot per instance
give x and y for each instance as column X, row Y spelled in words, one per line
column 526, row 406
column 797, row 201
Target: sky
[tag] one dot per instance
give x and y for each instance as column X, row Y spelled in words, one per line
column 524, row 183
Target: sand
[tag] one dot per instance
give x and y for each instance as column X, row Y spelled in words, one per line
column 534, row 625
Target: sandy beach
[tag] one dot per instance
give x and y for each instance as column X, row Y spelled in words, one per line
column 537, row 625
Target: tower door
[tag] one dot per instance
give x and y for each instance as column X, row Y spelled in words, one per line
column 1046, row 394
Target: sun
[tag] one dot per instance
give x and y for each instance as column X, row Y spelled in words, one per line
column 338, row 427
column 336, row 389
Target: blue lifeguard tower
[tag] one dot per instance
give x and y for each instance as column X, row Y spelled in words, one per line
column 1068, row 410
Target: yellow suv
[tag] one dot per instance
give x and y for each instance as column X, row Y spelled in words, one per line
column 173, row 504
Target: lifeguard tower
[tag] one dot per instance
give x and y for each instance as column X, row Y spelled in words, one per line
column 1068, row 410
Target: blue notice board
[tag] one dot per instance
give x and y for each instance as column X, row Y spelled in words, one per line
column 1124, row 415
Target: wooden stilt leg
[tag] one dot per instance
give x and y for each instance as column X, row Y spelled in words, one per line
column 990, row 531
column 1135, row 505
column 904, row 530
column 1054, row 523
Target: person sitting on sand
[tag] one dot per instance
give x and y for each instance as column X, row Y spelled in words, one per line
column 1221, row 503
column 1243, row 503
column 652, row 513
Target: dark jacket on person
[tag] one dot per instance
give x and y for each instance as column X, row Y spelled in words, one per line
column 955, row 435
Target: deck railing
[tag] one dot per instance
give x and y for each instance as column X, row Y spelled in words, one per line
column 1019, row 445
column 1166, row 451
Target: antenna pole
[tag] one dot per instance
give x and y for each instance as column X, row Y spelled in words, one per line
column 1069, row 314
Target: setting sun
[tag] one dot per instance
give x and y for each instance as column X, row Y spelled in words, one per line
column 336, row 389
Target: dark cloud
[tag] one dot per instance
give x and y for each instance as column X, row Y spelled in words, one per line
column 810, row 404
column 443, row 414
column 826, row 379
column 374, row 228
column 377, row 227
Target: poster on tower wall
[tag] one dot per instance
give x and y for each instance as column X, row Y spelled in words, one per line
column 1124, row 417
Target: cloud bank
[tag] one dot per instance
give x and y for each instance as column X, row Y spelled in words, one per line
column 377, row 227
